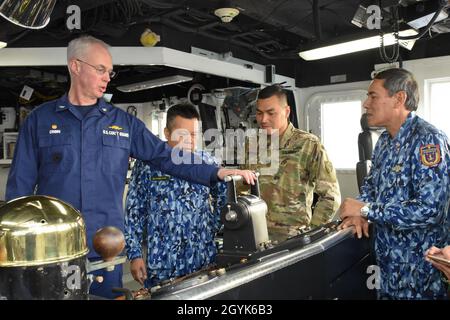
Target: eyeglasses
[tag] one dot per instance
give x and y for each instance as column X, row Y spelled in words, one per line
column 100, row 69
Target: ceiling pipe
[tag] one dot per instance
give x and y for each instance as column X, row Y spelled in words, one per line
column 316, row 15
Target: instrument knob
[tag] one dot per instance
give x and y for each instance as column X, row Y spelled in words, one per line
column 109, row 242
column 231, row 216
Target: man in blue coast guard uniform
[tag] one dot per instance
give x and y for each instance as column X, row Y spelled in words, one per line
column 406, row 194
column 179, row 218
column 76, row 148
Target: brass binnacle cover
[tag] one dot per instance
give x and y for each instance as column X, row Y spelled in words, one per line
column 38, row 230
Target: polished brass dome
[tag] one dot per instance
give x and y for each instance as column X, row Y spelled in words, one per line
column 38, row 230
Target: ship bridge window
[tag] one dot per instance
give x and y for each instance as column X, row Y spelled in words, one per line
column 437, row 91
column 335, row 118
column 158, row 123
column 340, row 129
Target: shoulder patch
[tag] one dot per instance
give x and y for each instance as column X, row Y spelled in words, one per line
column 430, row 155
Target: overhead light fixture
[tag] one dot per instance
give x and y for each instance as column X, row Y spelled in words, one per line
column 357, row 45
column 30, row 14
column 3, row 44
column 154, row 83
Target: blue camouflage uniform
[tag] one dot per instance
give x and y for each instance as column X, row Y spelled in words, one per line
column 84, row 161
column 408, row 189
column 178, row 218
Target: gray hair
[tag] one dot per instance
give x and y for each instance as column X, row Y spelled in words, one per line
column 397, row 79
column 78, row 47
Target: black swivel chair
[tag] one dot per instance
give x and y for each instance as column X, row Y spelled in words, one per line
column 366, row 142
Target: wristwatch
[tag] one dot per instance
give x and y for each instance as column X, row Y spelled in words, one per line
column 365, row 210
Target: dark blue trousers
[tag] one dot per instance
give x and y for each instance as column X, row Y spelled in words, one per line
column 111, row 279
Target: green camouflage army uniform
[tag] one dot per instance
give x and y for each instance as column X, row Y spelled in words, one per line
column 304, row 169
